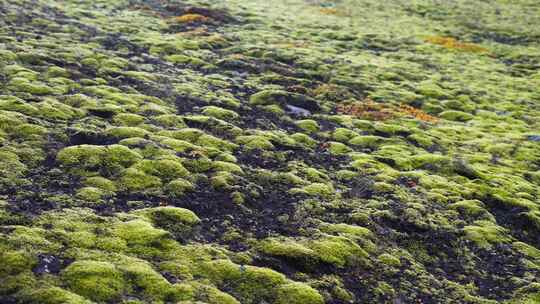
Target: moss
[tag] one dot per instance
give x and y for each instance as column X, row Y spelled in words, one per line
column 470, row 207
column 128, row 119
column 226, row 166
column 367, row 141
column 344, row 135
column 169, row 216
column 98, row 281
column 304, row 140
column 220, row 113
column 100, row 183
column 93, row 158
column 136, row 180
column 338, row 251
column 14, row 262
column 90, row 194
column 19, row 84
column 54, row 295
column 165, row 169
column 178, row 187
column 346, row 229
column 337, row 148
column 140, row 233
column 126, row 132
column 308, row 125
column 390, row 260
column 298, row 293
column 485, row 233
column 249, row 284
column 316, row 189
column 456, row 115
column 252, row 142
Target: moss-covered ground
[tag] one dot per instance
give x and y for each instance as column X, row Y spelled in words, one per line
column 279, row 152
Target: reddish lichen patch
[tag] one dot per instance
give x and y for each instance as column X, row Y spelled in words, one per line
column 367, row 109
column 191, row 18
column 454, row 44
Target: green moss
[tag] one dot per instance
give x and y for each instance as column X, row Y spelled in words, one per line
column 304, row 140
column 220, row 113
column 346, row 229
column 227, row 167
column 249, row 284
column 128, row 119
column 456, row 115
column 316, row 189
column 470, row 207
column 298, row 293
column 282, row 98
column 136, row 180
column 337, row 148
column 485, row 233
column 389, row 260
column 54, row 295
column 169, row 216
column 101, row 183
column 90, row 194
column 98, row 281
column 179, row 186
column 19, row 84
column 252, row 142
column 367, row 141
column 338, row 251
column 308, row 125
column 126, row 132
column 344, row 135
column 93, row 158
column 140, row 233
column 165, row 169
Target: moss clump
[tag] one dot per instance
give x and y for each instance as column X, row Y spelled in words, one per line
column 456, row 115
column 178, row 187
column 136, row 180
column 389, row 260
column 19, row 84
column 255, row 142
column 111, row 159
column 172, row 219
column 337, row 148
column 316, row 189
column 165, row 169
column 126, row 132
column 220, row 113
column 485, row 233
column 90, row 194
column 308, row 125
column 54, row 295
column 338, row 251
column 140, row 234
column 101, row 183
column 367, row 141
column 298, row 293
column 98, row 281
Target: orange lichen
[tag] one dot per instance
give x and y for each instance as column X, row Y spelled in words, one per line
column 454, row 44
column 368, row 109
column 191, row 18
column 417, row 113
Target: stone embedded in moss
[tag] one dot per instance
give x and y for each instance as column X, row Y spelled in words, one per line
column 298, row 293
column 283, row 98
column 308, row 125
column 98, row 281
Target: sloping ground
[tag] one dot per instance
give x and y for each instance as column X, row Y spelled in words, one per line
column 297, row 151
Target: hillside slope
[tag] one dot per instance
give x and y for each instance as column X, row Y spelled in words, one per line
column 278, row 152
